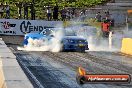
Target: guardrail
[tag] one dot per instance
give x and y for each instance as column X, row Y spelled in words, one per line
column 11, row 74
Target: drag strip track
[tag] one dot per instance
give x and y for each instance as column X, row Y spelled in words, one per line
column 29, row 74
column 48, row 76
column 58, row 70
column 92, row 64
column 42, row 74
column 90, row 61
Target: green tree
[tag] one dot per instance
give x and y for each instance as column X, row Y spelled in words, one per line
column 40, row 5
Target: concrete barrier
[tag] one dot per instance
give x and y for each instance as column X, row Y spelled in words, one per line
column 12, row 39
column 11, row 74
column 126, row 46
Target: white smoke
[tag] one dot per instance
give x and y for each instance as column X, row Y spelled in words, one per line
column 94, row 37
column 95, row 40
column 53, row 45
column 98, row 43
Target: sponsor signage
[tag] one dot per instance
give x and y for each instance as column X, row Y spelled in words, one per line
column 20, row 27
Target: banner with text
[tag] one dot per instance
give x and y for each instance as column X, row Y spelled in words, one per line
column 20, row 27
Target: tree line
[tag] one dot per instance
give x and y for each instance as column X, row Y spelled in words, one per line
column 40, row 5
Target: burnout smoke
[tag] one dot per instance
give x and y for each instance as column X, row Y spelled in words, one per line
column 102, row 44
column 53, row 45
column 95, row 40
column 94, row 37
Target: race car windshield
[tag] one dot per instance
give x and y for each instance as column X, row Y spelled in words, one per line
column 47, row 32
column 69, row 32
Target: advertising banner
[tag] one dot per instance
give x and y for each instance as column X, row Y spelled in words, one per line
column 20, row 27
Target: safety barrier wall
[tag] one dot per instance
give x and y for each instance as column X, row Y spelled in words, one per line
column 11, row 74
column 8, row 39
column 126, row 46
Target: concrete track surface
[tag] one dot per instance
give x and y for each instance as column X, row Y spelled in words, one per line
column 58, row 70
